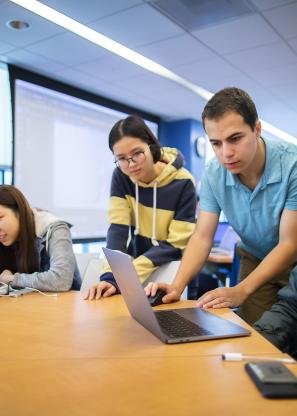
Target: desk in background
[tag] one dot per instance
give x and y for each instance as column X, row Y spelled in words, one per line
column 220, row 258
column 66, row 356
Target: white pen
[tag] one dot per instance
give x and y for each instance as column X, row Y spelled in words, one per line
column 237, row 356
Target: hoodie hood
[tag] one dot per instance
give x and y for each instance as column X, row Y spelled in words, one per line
column 44, row 222
column 173, row 156
column 174, row 161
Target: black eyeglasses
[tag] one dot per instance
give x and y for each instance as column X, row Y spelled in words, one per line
column 138, row 157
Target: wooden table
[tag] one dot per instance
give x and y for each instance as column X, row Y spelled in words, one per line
column 66, row 356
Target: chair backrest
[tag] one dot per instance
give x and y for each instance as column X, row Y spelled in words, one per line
column 89, row 265
column 82, row 260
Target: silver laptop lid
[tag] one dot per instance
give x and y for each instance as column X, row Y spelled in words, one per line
column 132, row 291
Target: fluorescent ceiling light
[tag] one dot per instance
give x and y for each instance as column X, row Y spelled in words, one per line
column 117, row 48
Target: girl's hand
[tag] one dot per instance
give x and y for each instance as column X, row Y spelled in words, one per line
column 6, row 277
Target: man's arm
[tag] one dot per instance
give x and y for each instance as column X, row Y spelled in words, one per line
column 278, row 260
column 194, row 257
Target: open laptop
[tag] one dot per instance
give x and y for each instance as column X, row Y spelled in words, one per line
column 227, row 243
column 170, row 326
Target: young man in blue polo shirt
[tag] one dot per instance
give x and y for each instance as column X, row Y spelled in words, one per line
column 254, row 182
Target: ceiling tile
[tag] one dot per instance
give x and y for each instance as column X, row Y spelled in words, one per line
column 137, row 26
column 181, row 97
column 293, row 43
column 194, row 15
column 238, row 34
column 269, row 4
column 97, row 86
column 284, row 19
column 287, row 91
column 32, row 61
column 274, row 77
column 240, row 80
column 263, row 57
column 111, row 68
column 40, row 28
column 5, row 47
column 202, row 73
column 179, row 50
column 147, row 84
column 68, row 48
column 73, row 77
column 126, row 97
column 174, row 97
column 91, row 10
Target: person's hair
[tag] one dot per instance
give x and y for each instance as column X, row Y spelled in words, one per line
column 134, row 126
column 231, row 100
column 25, row 256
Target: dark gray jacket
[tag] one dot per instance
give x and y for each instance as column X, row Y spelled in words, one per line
column 279, row 324
column 58, row 270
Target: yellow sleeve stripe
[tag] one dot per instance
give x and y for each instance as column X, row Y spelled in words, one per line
column 179, row 233
column 163, row 220
column 175, row 232
column 144, row 267
column 119, row 211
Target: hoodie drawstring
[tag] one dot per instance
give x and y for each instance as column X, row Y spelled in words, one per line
column 154, row 240
column 47, row 237
column 136, row 209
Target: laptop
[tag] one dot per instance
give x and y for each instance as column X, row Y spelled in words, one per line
column 227, row 243
column 170, row 326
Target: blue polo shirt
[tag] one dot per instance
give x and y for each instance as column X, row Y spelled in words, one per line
column 254, row 214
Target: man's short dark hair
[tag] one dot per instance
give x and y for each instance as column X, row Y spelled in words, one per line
column 231, row 100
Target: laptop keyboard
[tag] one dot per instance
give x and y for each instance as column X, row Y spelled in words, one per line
column 176, row 326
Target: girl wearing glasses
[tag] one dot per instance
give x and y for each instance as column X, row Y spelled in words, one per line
column 35, row 247
column 152, row 203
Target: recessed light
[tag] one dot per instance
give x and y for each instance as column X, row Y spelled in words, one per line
column 18, row 25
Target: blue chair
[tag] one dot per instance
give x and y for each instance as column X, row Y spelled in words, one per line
column 235, row 268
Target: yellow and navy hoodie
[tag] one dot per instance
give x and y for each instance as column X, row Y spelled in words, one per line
column 151, row 221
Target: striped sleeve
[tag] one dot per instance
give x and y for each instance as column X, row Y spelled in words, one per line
column 119, row 217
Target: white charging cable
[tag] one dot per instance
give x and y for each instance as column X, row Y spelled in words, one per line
column 42, row 293
column 17, row 292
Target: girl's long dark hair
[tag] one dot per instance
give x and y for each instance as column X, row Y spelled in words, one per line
column 22, row 255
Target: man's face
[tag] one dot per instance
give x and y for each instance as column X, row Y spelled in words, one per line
column 234, row 142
